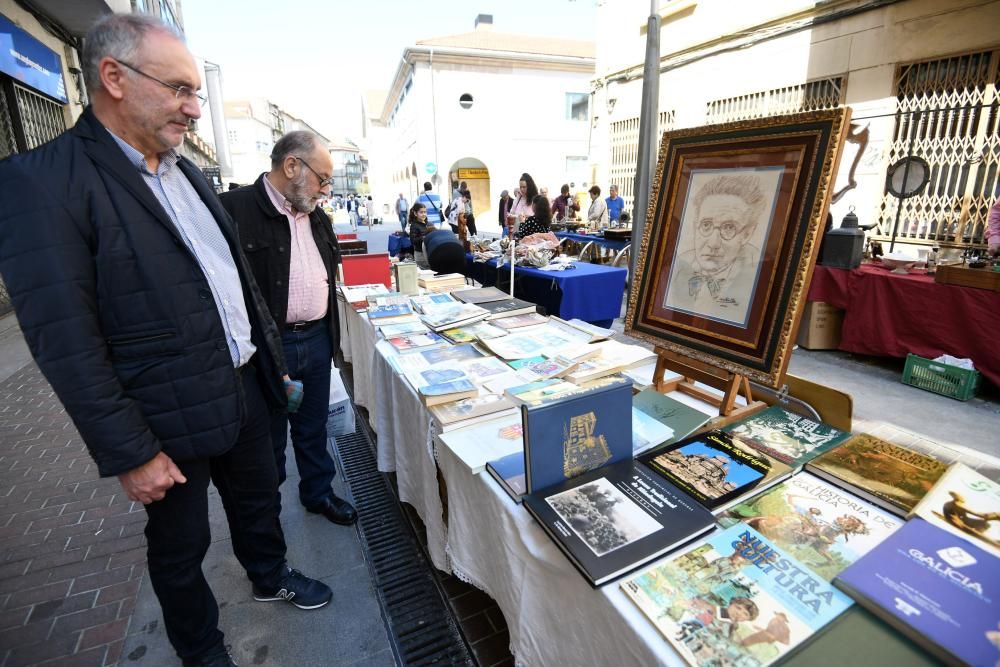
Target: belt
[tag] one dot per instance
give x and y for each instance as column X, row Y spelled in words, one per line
column 298, row 327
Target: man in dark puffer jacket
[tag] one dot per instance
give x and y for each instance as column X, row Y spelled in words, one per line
column 141, row 311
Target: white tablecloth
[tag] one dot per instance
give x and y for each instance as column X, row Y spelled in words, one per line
column 554, row 616
column 357, row 344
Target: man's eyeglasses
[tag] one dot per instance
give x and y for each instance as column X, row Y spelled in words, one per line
column 180, row 92
column 323, row 182
column 727, row 230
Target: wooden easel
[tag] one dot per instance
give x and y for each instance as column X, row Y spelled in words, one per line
column 730, row 384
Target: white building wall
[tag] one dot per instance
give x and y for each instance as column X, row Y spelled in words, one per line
column 250, row 144
column 517, row 123
column 865, row 48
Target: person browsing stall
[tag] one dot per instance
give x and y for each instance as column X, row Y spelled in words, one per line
column 141, row 310
column 597, row 214
column 420, row 228
column 615, row 206
column 294, row 254
column 538, row 222
column 520, row 210
column 565, row 205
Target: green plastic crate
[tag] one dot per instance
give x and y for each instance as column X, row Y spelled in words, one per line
column 944, row 379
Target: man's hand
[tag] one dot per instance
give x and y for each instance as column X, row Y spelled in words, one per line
column 150, row 481
column 293, row 391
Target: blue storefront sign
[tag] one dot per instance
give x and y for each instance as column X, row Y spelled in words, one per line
column 29, row 61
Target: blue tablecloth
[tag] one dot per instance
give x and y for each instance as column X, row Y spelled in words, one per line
column 590, row 292
column 611, row 244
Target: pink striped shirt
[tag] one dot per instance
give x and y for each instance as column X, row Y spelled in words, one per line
column 993, row 224
column 308, row 286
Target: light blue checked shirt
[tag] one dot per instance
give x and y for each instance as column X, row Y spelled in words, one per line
column 201, row 234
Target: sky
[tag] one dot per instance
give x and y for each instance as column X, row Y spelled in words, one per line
column 316, row 58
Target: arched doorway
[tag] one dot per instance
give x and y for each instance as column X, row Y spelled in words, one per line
column 477, row 177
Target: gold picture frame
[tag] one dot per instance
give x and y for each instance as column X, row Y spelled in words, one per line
column 731, row 239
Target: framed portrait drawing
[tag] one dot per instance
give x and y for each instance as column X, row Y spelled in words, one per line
column 731, row 239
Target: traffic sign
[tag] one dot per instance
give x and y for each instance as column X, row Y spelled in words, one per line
column 430, row 168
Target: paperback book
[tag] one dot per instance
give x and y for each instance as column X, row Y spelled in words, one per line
column 469, row 411
column 444, row 392
column 736, row 599
column 416, row 341
column 613, row 358
column 545, row 369
column 451, row 316
column 570, row 434
column 788, row 437
column 966, row 504
column 481, row 295
column 430, row 300
column 891, row 476
column 473, row 332
column 592, row 332
column 715, row 468
column 938, row 589
column 451, row 353
column 816, row 522
column 647, row 432
column 483, row 369
column 402, row 328
column 520, row 321
column 615, row 519
column 495, row 438
column 357, row 295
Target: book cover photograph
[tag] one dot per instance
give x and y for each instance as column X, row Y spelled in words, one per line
column 966, row 504
column 615, row 519
column 788, row 437
column 648, row 432
column 471, row 408
column 890, row 475
column 715, row 468
column 936, row 588
column 816, row 522
column 572, row 434
column 737, row 599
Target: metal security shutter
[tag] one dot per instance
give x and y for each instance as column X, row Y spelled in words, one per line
column 809, row 96
column 41, row 119
column 625, row 151
column 947, row 114
column 8, row 145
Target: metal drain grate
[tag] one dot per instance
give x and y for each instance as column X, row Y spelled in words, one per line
column 420, row 624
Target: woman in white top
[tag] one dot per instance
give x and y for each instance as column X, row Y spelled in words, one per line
column 521, row 210
column 597, row 215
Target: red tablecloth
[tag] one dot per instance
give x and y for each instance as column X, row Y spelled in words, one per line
column 888, row 314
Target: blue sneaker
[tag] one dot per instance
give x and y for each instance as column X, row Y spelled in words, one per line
column 297, row 588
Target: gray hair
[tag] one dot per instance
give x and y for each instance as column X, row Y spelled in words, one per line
column 118, row 36
column 741, row 186
column 296, row 144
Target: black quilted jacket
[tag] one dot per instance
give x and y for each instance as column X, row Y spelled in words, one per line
column 116, row 310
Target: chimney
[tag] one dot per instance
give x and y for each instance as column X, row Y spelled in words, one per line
column 484, row 22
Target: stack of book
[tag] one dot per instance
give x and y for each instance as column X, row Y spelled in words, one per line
column 480, row 295
column 389, row 309
column 450, row 316
column 614, row 357
column 357, row 295
column 444, row 282
column 507, row 308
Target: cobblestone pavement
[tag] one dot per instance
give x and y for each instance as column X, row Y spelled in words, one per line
column 73, row 552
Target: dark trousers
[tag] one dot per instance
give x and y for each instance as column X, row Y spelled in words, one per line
column 308, row 356
column 178, row 535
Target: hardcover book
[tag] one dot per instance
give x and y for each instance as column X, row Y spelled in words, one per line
column 647, row 432
column 507, row 308
column 888, row 475
column 617, row 518
column 508, row 471
column 451, row 353
column 493, row 439
column 613, row 357
column 469, row 411
column 737, row 599
column 682, row 419
column 715, row 468
column 545, row 369
column 936, row 588
column 443, row 392
column 430, row 301
column 520, row 321
column 568, row 435
column 483, row 369
column 473, row 332
column 481, row 295
column 815, row 521
column 357, row 295
column 966, row 504
column 788, row 437
column 857, row 637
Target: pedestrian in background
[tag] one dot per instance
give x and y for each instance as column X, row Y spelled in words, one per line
column 615, row 206
column 140, row 308
column 503, row 210
column 470, row 217
column 402, row 210
column 352, row 211
column 294, row 254
column 432, row 203
column 565, row 205
column 370, row 209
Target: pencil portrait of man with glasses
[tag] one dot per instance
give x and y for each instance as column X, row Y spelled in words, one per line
column 719, row 243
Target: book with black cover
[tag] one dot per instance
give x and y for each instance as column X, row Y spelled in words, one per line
column 507, row 308
column 480, row 295
column 716, row 469
column 567, row 435
column 614, row 519
column 508, row 471
column 936, row 588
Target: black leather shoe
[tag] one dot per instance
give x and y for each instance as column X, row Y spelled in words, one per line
column 214, row 659
column 337, row 510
